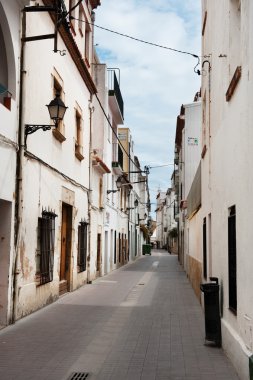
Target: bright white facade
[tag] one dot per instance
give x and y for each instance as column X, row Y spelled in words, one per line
column 9, row 134
column 227, row 181
column 54, row 181
column 68, row 207
column 188, row 157
column 160, row 202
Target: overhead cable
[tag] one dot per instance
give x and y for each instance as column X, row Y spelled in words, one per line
column 102, row 108
column 142, row 41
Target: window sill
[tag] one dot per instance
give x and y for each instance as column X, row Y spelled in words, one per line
column 233, row 84
column 233, row 311
column 80, row 31
column 87, row 62
column 79, row 155
column 203, row 153
column 58, row 135
column 72, row 29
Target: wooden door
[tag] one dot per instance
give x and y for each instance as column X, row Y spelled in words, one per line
column 66, row 240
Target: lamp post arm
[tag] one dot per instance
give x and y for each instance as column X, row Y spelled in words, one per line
column 31, row 128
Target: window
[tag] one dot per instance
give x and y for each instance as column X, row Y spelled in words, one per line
column 232, row 285
column 72, row 3
column 82, row 246
column 81, row 21
column 46, row 237
column 87, row 43
column 78, row 140
column 58, row 89
column 5, row 95
column 100, row 199
column 204, row 249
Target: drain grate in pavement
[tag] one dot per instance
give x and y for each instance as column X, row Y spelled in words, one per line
column 79, row 376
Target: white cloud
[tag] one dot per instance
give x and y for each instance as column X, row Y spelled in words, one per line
column 154, row 81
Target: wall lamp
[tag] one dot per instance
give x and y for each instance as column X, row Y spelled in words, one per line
column 135, row 205
column 56, row 109
column 145, row 217
column 112, row 191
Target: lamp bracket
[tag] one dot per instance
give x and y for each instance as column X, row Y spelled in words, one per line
column 112, row 191
column 31, row 128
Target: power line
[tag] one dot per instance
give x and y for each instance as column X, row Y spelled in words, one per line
column 137, row 39
column 102, row 108
column 160, row 166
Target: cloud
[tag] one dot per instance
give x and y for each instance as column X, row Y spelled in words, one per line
column 155, row 82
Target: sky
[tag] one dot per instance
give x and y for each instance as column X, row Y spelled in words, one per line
column 154, row 82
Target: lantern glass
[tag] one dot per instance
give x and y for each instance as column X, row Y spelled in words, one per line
column 56, row 109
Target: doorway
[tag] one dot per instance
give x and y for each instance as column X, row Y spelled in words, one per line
column 98, row 254
column 5, row 246
column 106, row 253
column 66, row 244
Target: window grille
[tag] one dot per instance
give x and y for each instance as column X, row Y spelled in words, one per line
column 82, row 246
column 46, row 237
column 232, row 284
column 119, row 247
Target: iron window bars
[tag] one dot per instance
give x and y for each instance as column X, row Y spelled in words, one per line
column 82, row 245
column 46, row 229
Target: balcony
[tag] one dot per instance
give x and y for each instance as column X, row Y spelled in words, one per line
column 115, row 98
column 117, row 158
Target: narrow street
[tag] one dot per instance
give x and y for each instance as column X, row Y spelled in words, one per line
column 143, row 321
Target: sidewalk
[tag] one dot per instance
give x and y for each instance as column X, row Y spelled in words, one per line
column 141, row 322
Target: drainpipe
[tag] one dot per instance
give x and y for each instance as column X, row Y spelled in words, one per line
column 207, row 61
column 91, row 109
column 19, row 175
column 90, row 194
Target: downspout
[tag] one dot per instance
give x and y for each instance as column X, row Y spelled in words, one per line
column 89, row 196
column 128, row 217
column 19, row 174
column 209, row 117
column 90, row 163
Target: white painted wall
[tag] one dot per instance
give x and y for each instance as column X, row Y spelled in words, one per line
column 59, row 176
column 227, row 178
column 9, row 76
column 191, row 143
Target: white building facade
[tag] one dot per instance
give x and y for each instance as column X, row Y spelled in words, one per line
column 227, row 153
column 188, row 156
column 53, row 254
column 10, row 46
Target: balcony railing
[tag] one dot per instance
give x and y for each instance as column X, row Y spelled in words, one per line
column 114, row 90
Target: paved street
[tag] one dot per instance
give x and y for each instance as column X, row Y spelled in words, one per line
column 142, row 321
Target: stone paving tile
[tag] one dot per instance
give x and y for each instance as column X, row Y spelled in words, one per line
column 154, row 331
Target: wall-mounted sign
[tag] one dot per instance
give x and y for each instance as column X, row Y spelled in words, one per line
column 122, row 136
column 193, row 141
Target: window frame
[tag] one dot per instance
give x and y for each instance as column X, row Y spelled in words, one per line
column 59, row 132
column 79, row 134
